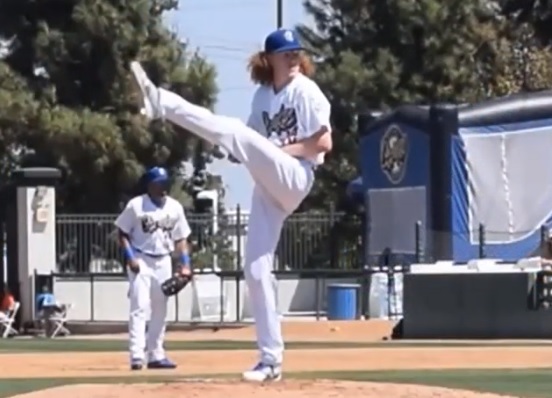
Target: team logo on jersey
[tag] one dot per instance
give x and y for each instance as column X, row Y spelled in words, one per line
column 394, row 153
column 283, row 124
column 149, row 225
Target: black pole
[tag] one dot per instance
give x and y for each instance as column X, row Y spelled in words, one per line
column 543, row 235
column 443, row 124
column 279, row 13
column 92, row 297
column 334, row 261
column 238, row 296
column 367, row 230
column 238, row 236
column 482, row 241
column 238, row 267
column 418, row 241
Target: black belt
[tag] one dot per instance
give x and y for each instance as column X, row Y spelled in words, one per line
column 152, row 255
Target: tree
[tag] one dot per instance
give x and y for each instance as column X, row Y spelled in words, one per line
column 67, row 100
column 512, row 59
column 381, row 54
column 536, row 13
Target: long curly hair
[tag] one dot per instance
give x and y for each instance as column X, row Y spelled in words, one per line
column 261, row 71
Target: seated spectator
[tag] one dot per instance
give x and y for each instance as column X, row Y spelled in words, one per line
column 45, row 299
column 47, row 306
column 7, row 302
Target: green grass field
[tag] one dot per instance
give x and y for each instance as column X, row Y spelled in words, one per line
column 524, row 383
column 95, row 345
column 60, row 345
column 530, row 383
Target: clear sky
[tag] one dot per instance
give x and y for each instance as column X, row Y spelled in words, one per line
column 226, row 33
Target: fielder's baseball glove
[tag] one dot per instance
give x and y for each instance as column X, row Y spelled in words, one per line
column 175, row 284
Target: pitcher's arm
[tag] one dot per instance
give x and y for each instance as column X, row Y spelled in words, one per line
column 319, row 142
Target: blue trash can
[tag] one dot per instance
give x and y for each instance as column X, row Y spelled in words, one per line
column 342, row 302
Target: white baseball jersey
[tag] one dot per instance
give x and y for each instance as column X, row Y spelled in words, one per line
column 151, row 229
column 296, row 112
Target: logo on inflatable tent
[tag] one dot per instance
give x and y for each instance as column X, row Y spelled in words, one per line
column 394, row 153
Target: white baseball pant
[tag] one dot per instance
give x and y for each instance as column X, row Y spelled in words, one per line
column 281, row 184
column 146, row 298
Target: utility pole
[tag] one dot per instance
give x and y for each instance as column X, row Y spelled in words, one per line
column 279, row 13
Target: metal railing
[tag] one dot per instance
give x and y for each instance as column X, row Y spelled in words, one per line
column 230, row 295
column 420, row 244
column 87, row 243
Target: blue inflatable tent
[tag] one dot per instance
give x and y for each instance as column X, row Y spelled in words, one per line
column 455, row 168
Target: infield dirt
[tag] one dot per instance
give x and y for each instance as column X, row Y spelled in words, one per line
column 386, row 357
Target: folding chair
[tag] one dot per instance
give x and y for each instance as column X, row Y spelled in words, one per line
column 59, row 319
column 7, row 320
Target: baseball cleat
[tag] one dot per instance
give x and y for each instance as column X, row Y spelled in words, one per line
column 136, row 364
column 150, row 93
column 262, row 372
column 161, row 364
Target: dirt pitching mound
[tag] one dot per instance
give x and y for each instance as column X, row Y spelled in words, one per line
column 284, row 389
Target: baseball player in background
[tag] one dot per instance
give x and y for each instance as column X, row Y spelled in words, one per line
column 284, row 140
column 151, row 227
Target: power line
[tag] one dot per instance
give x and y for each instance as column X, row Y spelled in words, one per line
column 224, row 57
column 210, row 52
column 214, row 45
column 225, row 48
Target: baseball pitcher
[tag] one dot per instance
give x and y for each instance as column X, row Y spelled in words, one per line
column 283, row 142
column 151, row 227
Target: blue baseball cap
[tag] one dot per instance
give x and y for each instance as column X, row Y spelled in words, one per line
column 282, row 40
column 157, row 174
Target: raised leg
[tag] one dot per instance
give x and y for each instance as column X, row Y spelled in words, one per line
column 283, row 177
